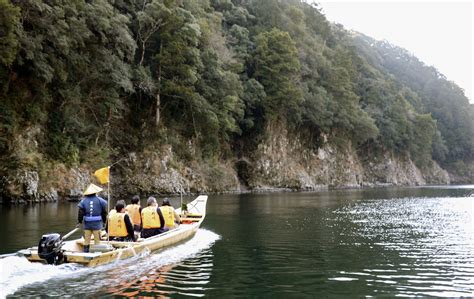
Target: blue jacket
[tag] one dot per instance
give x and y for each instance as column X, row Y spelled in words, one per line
column 93, row 211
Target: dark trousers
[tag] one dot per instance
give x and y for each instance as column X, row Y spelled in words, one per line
column 150, row 232
column 121, row 239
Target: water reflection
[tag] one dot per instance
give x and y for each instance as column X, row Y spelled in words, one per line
column 22, row 226
column 345, row 243
column 186, row 278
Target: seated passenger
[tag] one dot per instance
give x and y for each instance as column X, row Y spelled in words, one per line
column 111, row 212
column 120, row 226
column 152, row 219
column 135, row 211
column 171, row 217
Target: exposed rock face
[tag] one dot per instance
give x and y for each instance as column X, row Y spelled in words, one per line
column 436, row 175
column 281, row 161
column 71, row 183
column 285, row 162
column 23, row 185
column 27, row 186
column 159, row 172
column 392, row 170
column 38, row 180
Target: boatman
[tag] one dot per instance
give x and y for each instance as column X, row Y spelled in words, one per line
column 120, row 226
column 171, row 217
column 93, row 211
column 134, row 210
column 152, row 219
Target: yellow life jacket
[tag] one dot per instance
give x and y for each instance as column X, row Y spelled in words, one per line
column 168, row 215
column 134, row 213
column 150, row 218
column 117, row 227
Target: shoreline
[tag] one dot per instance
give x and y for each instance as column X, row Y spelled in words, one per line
column 260, row 191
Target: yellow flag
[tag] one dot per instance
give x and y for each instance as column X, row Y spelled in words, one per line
column 102, row 175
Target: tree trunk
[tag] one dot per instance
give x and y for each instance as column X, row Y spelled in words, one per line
column 157, row 112
column 142, row 57
column 158, row 96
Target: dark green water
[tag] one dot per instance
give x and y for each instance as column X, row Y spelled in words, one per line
column 350, row 243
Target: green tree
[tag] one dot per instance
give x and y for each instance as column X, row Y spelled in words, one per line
column 429, row 92
column 424, row 128
column 348, row 117
column 9, row 25
column 73, row 61
column 277, row 68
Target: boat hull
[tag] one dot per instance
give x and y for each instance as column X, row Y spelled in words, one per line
column 72, row 250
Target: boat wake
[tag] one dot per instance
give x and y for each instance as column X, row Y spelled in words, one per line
column 23, row 278
column 16, row 272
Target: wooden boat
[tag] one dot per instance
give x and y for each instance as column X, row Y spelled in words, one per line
column 110, row 251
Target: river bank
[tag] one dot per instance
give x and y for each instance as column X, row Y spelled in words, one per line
column 280, row 162
column 76, row 198
column 267, row 176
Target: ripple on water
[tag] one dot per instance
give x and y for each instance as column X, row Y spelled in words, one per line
column 433, row 236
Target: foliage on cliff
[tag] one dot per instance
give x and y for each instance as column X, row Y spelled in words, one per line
column 106, row 77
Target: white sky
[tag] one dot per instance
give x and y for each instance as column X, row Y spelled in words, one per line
column 438, row 33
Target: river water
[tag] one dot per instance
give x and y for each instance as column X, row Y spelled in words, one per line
column 345, row 243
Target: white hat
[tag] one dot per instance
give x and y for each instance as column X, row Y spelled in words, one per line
column 92, row 189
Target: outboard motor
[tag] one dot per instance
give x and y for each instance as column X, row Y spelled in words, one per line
column 49, row 248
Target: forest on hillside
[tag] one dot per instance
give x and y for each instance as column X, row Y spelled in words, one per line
column 101, row 78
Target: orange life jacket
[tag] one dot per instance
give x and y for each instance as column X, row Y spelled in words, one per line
column 134, row 213
column 117, row 227
column 168, row 215
column 150, row 218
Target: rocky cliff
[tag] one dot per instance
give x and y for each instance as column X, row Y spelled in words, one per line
column 280, row 161
column 284, row 161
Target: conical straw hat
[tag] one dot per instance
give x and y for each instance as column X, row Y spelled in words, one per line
column 92, row 189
